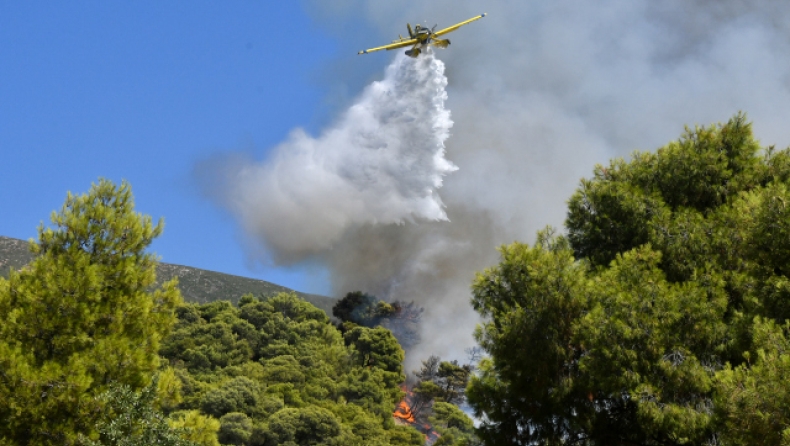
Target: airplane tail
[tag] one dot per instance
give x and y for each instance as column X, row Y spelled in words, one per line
column 441, row 43
column 411, row 33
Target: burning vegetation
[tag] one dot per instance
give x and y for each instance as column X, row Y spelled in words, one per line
column 405, row 414
column 433, row 394
column 403, row 411
column 432, row 399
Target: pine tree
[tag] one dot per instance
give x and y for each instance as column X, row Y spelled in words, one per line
column 637, row 327
column 81, row 317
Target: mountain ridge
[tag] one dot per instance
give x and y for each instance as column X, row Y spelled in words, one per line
column 197, row 285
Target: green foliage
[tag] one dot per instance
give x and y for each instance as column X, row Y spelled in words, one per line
column 453, row 379
column 235, row 428
column 438, row 382
column 445, row 380
column 705, row 169
column 657, row 340
column 130, row 419
column 195, row 427
column 532, row 299
column 425, row 392
column 276, row 371
column 80, row 317
column 637, row 327
column 754, row 399
column 449, row 416
column 405, row 436
column 376, row 347
column 454, row 426
column 208, row 345
column 237, row 395
column 308, row 426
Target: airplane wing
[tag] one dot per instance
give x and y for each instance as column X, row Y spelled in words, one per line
column 391, row 46
column 458, row 25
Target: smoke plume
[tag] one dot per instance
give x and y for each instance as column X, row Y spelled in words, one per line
column 380, row 164
column 540, row 92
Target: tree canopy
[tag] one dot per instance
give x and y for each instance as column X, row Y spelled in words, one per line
column 80, row 318
column 660, row 318
column 276, row 371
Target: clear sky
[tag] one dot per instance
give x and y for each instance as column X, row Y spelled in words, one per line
column 141, row 91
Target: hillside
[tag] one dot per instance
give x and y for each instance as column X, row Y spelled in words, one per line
column 197, row 285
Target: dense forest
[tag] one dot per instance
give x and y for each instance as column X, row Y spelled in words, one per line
column 659, row 316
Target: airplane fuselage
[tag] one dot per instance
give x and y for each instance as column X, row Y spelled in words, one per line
column 424, row 37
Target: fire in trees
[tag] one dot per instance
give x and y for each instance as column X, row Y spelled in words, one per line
column 431, row 406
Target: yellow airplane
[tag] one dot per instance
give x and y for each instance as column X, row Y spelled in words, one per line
column 421, row 38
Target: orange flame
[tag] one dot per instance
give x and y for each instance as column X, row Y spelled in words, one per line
column 403, row 412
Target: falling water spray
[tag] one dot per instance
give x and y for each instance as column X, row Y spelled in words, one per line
column 381, row 163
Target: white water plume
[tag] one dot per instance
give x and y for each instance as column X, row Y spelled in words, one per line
column 382, row 162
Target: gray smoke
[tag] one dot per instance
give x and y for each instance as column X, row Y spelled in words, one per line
column 540, row 92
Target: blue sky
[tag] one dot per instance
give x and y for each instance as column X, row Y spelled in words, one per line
column 141, row 91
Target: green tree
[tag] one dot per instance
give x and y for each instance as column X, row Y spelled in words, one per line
column 130, row 419
column 237, row 395
column 376, row 347
column 405, row 436
column 424, row 394
column 81, row 317
column 195, row 427
column 454, row 426
column 453, row 379
column 754, row 398
column 207, row 338
column 636, row 327
column 532, row 300
column 438, row 381
column 303, row 427
column 235, row 428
